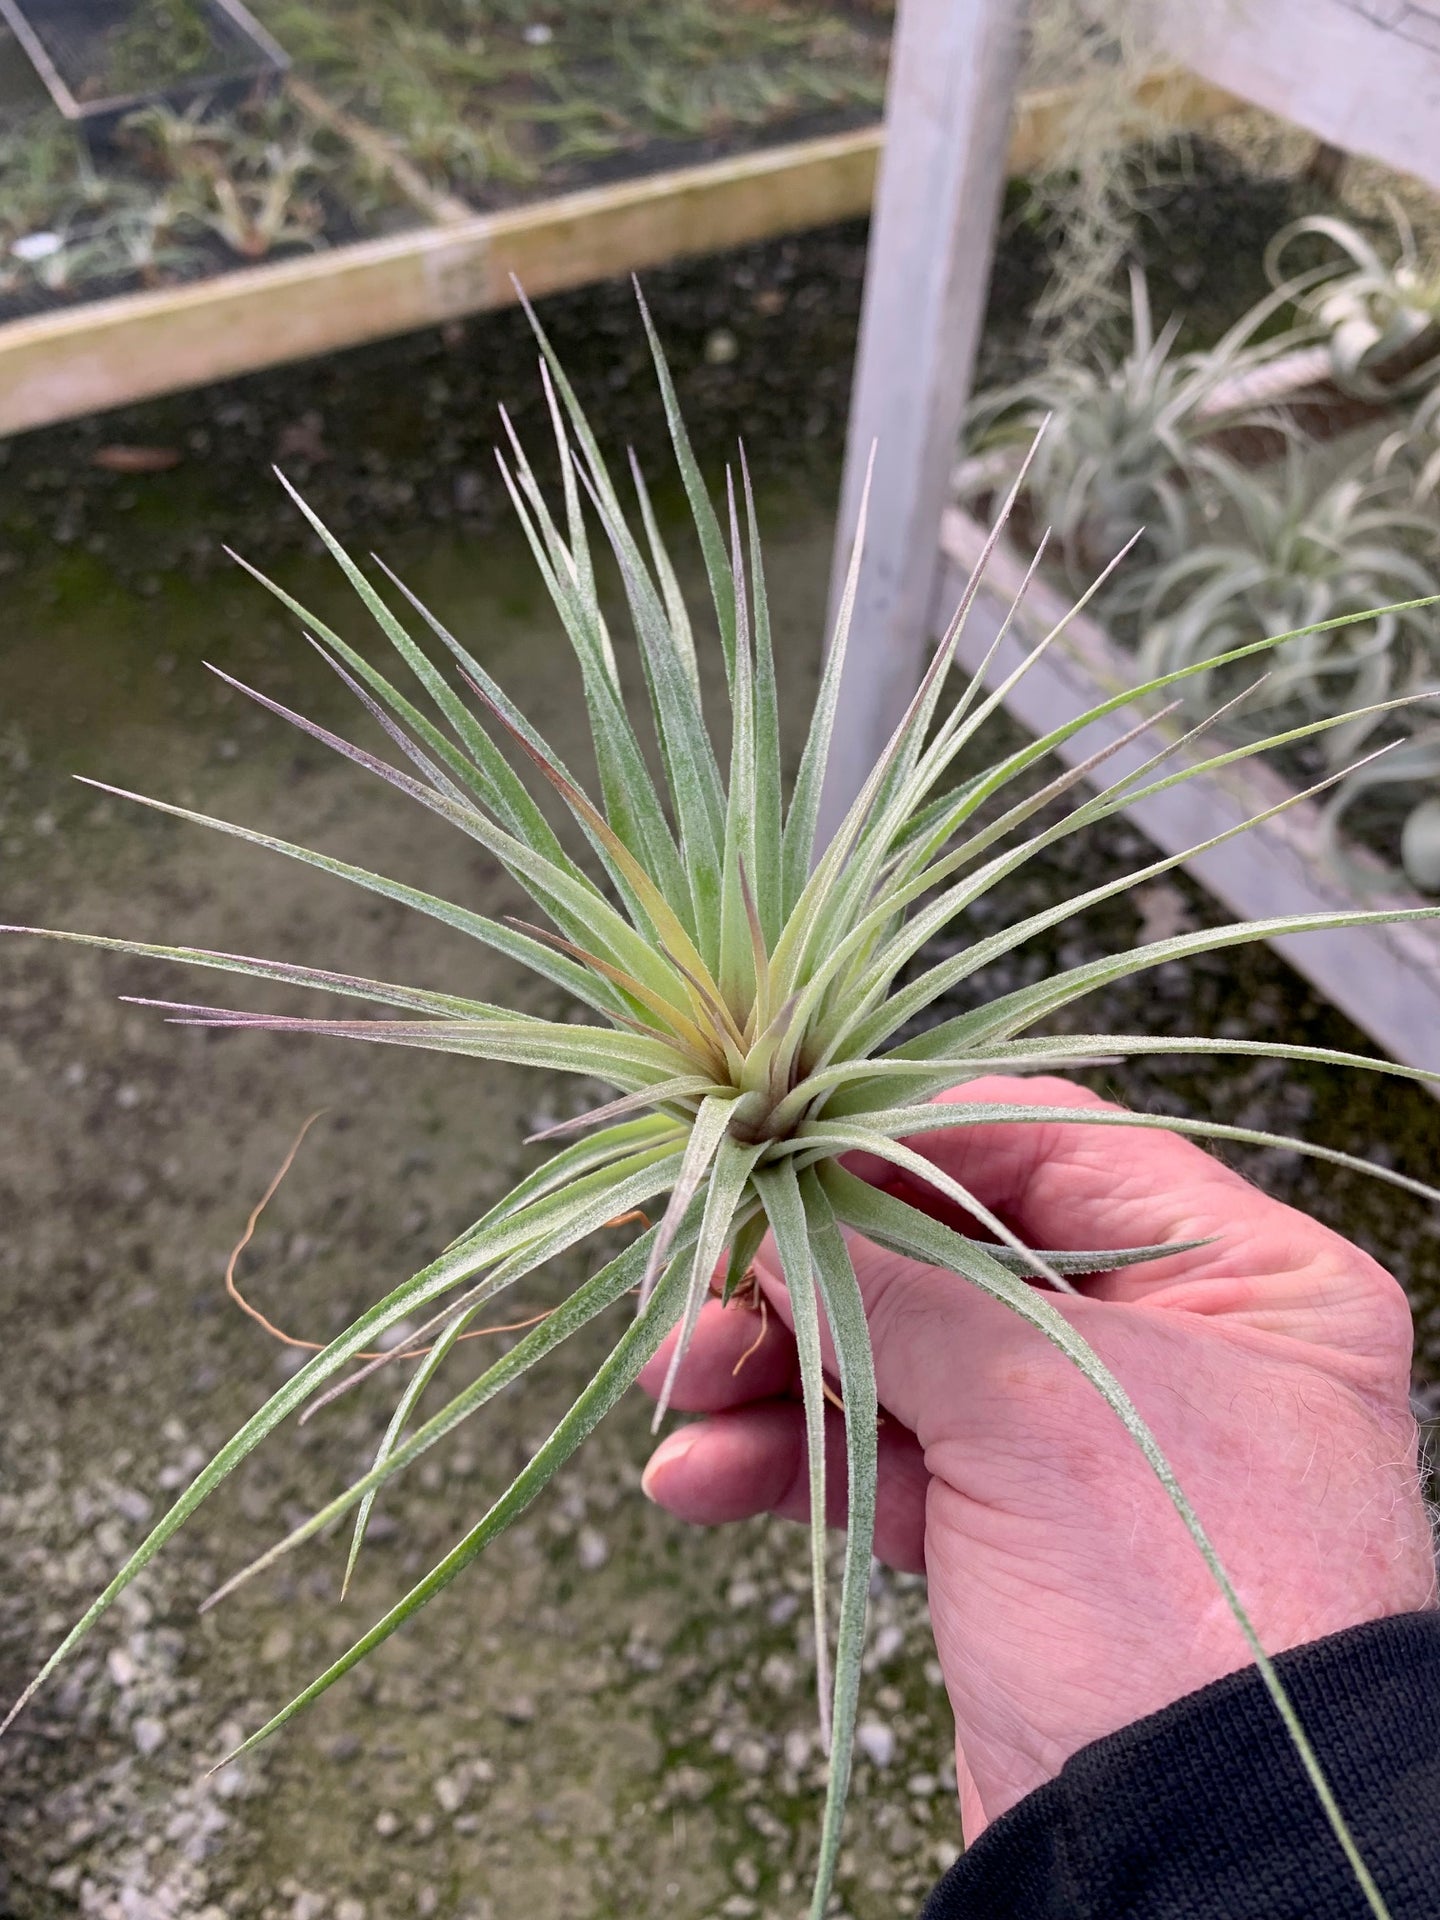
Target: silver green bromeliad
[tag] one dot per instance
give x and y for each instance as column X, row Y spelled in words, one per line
column 741, row 990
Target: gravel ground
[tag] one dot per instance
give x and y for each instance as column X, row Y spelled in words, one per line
column 608, row 1714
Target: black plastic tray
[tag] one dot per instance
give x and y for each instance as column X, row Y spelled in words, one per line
column 71, row 42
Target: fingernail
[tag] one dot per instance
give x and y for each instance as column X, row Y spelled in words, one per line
column 670, row 1450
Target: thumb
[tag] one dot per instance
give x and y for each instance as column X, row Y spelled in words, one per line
column 929, row 1328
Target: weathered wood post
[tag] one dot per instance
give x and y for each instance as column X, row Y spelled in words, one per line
column 1363, row 75
column 953, row 77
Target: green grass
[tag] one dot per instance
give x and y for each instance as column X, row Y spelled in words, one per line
column 486, row 111
column 257, row 179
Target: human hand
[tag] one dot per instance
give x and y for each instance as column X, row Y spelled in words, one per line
column 1066, row 1597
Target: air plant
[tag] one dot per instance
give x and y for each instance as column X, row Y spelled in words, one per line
column 1300, row 552
column 1414, row 447
column 423, row 75
column 481, row 106
column 1380, row 316
column 170, row 37
column 254, row 189
column 51, row 191
column 1412, row 768
column 146, row 243
column 1107, row 137
column 746, row 994
column 1127, row 425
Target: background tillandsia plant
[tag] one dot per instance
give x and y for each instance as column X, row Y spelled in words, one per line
column 748, row 994
column 1130, row 422
column 1295, row 549
column 1266, row 504
column 1379, row 314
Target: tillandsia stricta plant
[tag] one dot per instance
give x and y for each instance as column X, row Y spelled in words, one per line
column 1129, row 421
column 747, row 990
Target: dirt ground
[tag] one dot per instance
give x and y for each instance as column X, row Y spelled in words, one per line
column 607, row 1714
column 548, row 1741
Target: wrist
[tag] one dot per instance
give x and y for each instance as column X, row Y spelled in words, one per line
column 1105, row 1652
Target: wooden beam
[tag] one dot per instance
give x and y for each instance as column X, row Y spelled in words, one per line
column 106, row 353
column 952, row 138
column 1387, row 979
column 954, row 70
column 1362, row 75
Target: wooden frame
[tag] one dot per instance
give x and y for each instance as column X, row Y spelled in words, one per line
column 106, row 353
column 97, row 119
column 955, row 124
column 1387, row 979
column 109, row 352
column 954, row 69
column 1361, row 73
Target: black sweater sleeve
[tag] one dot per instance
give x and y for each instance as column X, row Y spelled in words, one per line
column 1203, row 1812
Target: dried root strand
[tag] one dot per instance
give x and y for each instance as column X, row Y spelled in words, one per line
column 318, row 1346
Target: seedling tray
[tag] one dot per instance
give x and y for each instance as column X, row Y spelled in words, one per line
column 80, row 355
column 94, row 55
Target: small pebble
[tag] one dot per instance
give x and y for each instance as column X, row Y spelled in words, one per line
column 876, row 1741
column 452, row 1790
column 121, row 1668
column 31, row 247
column 592, row 1549
column 888, row 1642
column 148, row 1734
column 778, row 1673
